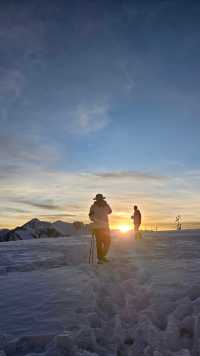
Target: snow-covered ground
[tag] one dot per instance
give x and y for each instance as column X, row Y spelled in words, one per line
column 145, row 301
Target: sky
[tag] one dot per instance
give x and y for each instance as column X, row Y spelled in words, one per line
column 99, row 96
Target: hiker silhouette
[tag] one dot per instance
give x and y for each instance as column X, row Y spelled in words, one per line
column 98, row 214
column 137, row 219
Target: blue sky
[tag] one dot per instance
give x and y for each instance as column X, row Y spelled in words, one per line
column 99, row 96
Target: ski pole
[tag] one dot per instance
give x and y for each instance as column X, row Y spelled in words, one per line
column 91, row 254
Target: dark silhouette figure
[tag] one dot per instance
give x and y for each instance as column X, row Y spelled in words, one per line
column 178, row 223
column 137, row 219
column 98, row 214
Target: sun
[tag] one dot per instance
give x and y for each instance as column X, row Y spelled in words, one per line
column 124, row 228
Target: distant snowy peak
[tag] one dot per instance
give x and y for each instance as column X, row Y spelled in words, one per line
column 36, row 229
column 36, row 224
column 63, row 227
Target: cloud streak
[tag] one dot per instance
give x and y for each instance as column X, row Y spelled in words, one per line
column 88, row 119
column 40, row 205
column 143, row 176
column 22, row 156
column 57, row 216
column 28, row 148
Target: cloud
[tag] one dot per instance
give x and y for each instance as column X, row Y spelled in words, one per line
column 22, row 156
column 57, row 216
column 86, row 119
column 14, row 210
column 22, row 43
column 41, row 205
column 130, row 174
column 24, row 148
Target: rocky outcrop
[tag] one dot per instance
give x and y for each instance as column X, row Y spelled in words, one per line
column 4, row 235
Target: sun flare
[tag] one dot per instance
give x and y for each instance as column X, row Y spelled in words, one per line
column 124, row 228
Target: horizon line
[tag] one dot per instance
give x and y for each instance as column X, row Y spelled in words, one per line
column 153, row 226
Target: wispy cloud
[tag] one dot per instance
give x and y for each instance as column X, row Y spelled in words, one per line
column 5, row 210
column 47, row 205
column 57, row 216
column 22, row 156
column 88, row 119
column 26, row 148
column 130, row 174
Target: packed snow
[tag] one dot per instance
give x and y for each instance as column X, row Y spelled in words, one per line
column 145, row 301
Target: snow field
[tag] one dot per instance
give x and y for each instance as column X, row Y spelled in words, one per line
column 146, row 301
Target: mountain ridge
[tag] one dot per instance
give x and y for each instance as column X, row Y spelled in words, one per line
column 36, row 229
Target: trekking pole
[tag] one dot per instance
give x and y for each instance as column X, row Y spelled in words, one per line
column 92, row 248
column 91, row 255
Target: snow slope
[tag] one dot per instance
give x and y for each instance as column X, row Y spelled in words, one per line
column 146, row 301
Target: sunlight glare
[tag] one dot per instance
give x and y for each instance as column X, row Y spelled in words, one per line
column 124, row 228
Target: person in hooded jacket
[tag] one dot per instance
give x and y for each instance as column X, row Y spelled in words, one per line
column 98, row 214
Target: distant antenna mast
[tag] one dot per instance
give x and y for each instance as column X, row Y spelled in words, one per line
column 178, row 223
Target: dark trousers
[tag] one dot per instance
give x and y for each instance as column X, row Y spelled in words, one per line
column 136, row 227
column 138, row 234
column 102, row 242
